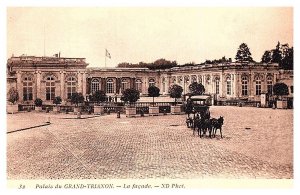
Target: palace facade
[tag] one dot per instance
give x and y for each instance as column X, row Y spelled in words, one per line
column 48, row 77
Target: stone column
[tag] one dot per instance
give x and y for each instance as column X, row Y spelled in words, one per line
column 103, row 84
column 167, row 83
column 251, row 89
column 233, row 85
column 79, row 77
column 145, row 85
column 84, row 84
column 62, row 85
column 19, row 85
column 221, row 85
column 38, row 84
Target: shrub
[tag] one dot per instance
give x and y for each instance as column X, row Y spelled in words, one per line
column 153, row 91
column 77, row 98
column 196, row 88
column 280, row 89
column 12, row 95
column 38, row 102
column 130, row 95
column 57, row 100
column 175, row 91
column 98, row 96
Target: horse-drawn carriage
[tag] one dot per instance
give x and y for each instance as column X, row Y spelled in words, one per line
column 198, row 116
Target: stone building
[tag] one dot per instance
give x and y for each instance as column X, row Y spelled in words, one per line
column 48, row 77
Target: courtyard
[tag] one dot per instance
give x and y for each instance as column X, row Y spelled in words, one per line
column 257, row 143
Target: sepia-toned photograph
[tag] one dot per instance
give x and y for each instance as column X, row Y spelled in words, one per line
column 159, row 93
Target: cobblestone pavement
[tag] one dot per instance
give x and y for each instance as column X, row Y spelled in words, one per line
column 151, row 147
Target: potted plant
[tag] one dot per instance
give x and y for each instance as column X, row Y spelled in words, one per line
column 130, row 96
column 12, row 97
column 77, row 99
column 153, row 91
column 175, row 92
column 98, row 97
column 57, row 100
column 38, row 104
column 280, row 90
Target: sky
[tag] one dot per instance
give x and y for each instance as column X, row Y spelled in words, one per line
column 191, row 34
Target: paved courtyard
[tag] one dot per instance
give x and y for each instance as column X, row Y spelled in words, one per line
column 257, row 143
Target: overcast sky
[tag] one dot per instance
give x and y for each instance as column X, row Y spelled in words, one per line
column 146, row 34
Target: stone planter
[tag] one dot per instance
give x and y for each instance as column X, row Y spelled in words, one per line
column 38, row 109
column 175, row 109
column 130, row 111
column 98, row 109
column 281, row 104
column 56, row 109
column 12, row 108
column 153, row 110
column 76, row 110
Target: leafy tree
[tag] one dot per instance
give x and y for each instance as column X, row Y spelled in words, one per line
column 12, row 95
column 77, row 98
column 153, row 91
column 277, row 54
column 287, row 62
column 175, row 92
column 243, row 54
column 57, row 100
column 196, row 88
column 267, row 57
column 280, row 89
column 38, row 102
column 130, row 95
column 98, row 96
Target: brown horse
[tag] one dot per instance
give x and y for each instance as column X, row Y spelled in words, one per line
column 217, row 124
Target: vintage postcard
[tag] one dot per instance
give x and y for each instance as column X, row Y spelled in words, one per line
column 149, row 97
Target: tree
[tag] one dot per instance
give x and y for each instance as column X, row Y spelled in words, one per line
column 280, row 89
column 38, row 102
column 243, row 54
column 153, row 91
column 277, row 54
column 267, row 57
column 98, row 96
column 196, row 88
column 57, row 100
column 12, row 95
column 175, row 91
column 130, row 95
column 77, row 98
column 287, row 62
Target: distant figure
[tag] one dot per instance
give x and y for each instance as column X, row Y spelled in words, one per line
column 116, row 99
column 109, row 98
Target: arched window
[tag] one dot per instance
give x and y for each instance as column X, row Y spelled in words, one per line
column 228, row 86
column 244, row 85
column 257, row 86
column 71, row 86
column 50, row 88
column 95, row 86
column 200, row 79
column 124, row 84
column 179, row 79
column 110, row 86
column 151, row 82
column 270, row 85
column 138, row 85
column 27, row 88
column 194, row 78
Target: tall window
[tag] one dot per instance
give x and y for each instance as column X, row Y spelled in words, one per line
column 200, row 79
column 179, row 79
column 258, row 86
column 228, row 86
column 71, row 86
column 95, row 85
column 124, row 84
column 217, row 82
column 138, row 85
column 194, row 79
column 27, row 88
column 244, row 86
column 151, row 82
column 110, row 86
column 50, row 88
column 270, row 85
